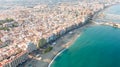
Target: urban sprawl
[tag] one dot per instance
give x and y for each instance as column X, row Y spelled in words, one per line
column 22, row 28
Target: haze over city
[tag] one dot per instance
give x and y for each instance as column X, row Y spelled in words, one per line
column 59, row 33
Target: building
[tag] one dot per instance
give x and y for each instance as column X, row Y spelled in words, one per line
column 31, row 47
column 14, row 61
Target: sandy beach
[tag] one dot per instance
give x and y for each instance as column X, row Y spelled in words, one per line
column 61, row 44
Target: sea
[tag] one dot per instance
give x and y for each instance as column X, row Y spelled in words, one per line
column 97, row 46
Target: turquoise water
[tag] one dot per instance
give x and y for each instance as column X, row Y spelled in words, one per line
column 98, row 46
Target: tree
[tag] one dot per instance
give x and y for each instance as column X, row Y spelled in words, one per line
column 9, row 20
column 41, row 43
column 4, row 28
column 48, row 49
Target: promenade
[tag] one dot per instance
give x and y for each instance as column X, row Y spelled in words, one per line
column 22, row 28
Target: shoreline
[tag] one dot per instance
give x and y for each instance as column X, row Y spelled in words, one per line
column 56, row 56
column 61, row 45
column 98, row 12
column 48, row 58
column 62, row 50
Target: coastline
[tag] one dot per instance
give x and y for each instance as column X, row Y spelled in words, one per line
column 98, row 12
column 76, row 33
column 62, row 50
column 61, row 45
column 39, row 35
column 95, row 24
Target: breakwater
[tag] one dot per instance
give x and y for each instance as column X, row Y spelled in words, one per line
column 113, row 24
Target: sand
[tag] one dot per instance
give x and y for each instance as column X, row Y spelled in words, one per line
column 61, row 44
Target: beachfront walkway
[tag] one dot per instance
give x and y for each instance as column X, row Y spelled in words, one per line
column 62, row 43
